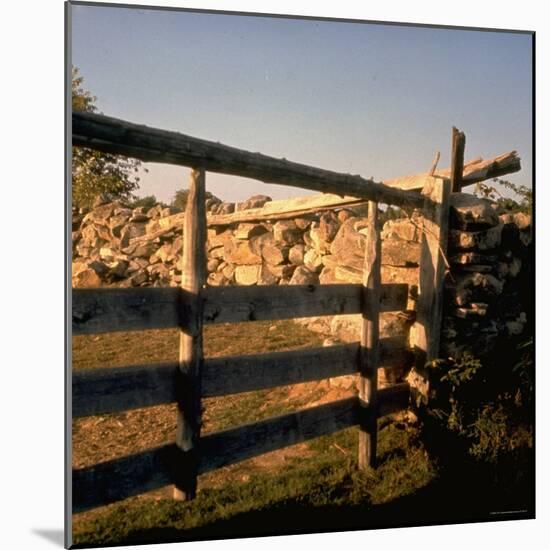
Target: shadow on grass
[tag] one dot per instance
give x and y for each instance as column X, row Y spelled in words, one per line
column 449, row 500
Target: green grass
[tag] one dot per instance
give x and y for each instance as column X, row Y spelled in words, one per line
column 311, row 487
column 325, row 484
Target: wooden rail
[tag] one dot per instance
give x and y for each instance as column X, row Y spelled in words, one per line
column 111, row 309
column 185, row 383
column 112, row 135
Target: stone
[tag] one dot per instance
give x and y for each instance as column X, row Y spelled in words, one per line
column 317, row 242
column 472, row 258
column 282, row 271
column 400, row 253
column 106, row 253
column 131, row 231
column 212, row 265
column 479, row 240
column 100, row 215
column 216, row 279
column 139, row 277
column 144, row 250
column 471, row 212
column 225, row 208
column 118, row 269
column 327, row 277
column 228, row 271
column 86, row 278
column 218, row 239
column 247, row 274
column 296, row 254
column 266, row 277
column 474, row 287
column 90, row 237
column 303, row 276
column 313, row 261
column 139, row 217
column 344, row 215
column 249, row 230
column 117, row 223
column 330, row 261
column 348, row 238
column 256, row 201
column 287, row 232
column 164, row 253
column 302, row 223
column 240, row 253
column 402, row 228
column 328, row 226
column 272, row 252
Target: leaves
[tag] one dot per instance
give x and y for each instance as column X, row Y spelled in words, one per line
column 95, row 173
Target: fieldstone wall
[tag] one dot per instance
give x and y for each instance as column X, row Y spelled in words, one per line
column 486, row 293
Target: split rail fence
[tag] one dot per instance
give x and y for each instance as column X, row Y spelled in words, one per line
column 110, row 390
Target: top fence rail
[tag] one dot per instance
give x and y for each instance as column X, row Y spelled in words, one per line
column 112, row 135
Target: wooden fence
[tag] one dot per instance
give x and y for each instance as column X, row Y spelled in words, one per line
column 188, row 308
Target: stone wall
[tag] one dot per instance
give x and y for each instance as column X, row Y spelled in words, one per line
column 489, row 253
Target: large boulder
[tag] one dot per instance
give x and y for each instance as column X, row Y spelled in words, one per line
column 471, row 212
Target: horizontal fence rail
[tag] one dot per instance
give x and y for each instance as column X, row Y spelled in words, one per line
column 150, row 469
column 117, row 389
column 109, row 310
column 112, row 135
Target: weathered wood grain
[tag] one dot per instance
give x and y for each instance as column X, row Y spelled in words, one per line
column 117, row 136
column 258, row 303
column 285, row 209
column 122, row 309
column 236, row 444
column 474, row 171
column 432, row 267
column 369, row 352
column 188, row 378
column 110, row 310
column 457, row 159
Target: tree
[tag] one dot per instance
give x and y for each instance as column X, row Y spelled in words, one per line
column 180, row 198
column 148, row 201
column 96, row 173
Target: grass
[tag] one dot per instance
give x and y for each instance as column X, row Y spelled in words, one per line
column 310, row 487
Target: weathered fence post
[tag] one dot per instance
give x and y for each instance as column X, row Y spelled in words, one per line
column 427, row 330
column 458, row 144
column 369, row 353
column 190, row 354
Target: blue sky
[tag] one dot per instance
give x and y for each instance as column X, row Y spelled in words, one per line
column 375, row 100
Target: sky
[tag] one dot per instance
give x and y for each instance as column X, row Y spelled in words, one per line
column 360, row 98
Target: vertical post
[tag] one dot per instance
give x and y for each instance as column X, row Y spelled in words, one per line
column 427, row 330
column 369, row 352
column 190, row 352
column 457, row 159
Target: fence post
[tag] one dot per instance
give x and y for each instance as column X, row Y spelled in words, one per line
column 427, row 330
column 190, row 351
column 369, row 352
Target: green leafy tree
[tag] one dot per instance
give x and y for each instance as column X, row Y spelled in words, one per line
column 96, row 173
